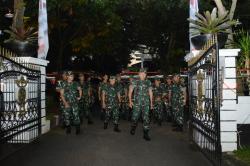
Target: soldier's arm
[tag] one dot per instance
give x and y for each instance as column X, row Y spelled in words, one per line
column 80, row 92
column 184, row 95
column 65, row 103
column 119, row 97
column 89, row 91
column 103, row 99
column 169, row 96
column 126, row 92
column 151, row 97
column 57, row 90
column 99, row 93
column 131, row 88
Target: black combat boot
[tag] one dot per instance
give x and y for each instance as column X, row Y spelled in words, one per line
column 81, row 119
column 116, row 129
column 105, row 125
column 179, row 128
column 159, row 123
column 68, row 130
column 77, row 129
column 146, row 136
column 132, row 131
column 174, row 124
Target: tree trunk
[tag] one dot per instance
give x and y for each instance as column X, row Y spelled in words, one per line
column 220, row 6
column 232, row 10
column 231, row 16
column 19, row 9
column 222, row 10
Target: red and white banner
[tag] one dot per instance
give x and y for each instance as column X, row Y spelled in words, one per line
column 43, row 39
column 193, row 9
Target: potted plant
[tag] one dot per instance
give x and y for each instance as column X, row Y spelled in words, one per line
column 242, row 41
column 23, row 39
column 205, row 26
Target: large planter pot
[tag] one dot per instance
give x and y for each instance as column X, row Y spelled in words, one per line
column 200, row 40
column 22, row 48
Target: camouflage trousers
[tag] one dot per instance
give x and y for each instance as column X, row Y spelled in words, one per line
column 138, row 111
column 71, row 115
column 85, row 109
column 112, row 112
column 158, row 111
column 168, row 110
column 124, row 110
column 178, row 113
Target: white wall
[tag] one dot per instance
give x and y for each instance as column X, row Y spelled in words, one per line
column 243, row 110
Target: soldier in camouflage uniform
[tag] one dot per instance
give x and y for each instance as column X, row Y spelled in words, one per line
column 129, row 110
column 71, row 93
column 142, row 104
column 177, row 97
column 167, row 89
column 111, row 101
column 158, row 93
column 103, row 85
column 122, row 91
column 85, row 101
column 60, row 84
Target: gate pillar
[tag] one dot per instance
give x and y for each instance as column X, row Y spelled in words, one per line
column 228, row 109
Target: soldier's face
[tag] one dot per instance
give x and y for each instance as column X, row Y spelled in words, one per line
column 118, row 78
column 176, row 78
column 81, row 78
column 112, row 81
column 142, row 75
column 169, row 81
column 157, row 82
column 70, row 78
column 105, row 77
column 64, row 77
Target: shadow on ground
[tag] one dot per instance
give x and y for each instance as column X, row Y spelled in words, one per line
column 98, row 147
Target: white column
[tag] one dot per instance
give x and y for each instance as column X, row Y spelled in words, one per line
column 229, row 103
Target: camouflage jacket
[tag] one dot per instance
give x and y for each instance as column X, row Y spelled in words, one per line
column 141, row 91
column 103, row 86
column 111, row 96
column 167, row 90
column 85, row 91
column 121, row 88
column 71, row 92
column 177, row 95
column 158, row 92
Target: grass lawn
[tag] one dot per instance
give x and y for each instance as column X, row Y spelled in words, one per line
column 243, row 155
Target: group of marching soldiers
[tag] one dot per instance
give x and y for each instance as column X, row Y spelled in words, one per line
column 137, row 100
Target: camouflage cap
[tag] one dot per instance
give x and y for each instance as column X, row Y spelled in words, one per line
column 157, row 78
column 131, row 76
column 143, row 70
column 112, row 77
column 64, row 72
column 176, row 74
column 69, row 73
column 168, row 77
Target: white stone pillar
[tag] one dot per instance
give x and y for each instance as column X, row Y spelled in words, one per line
column 42, row 64
column 228, row 113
